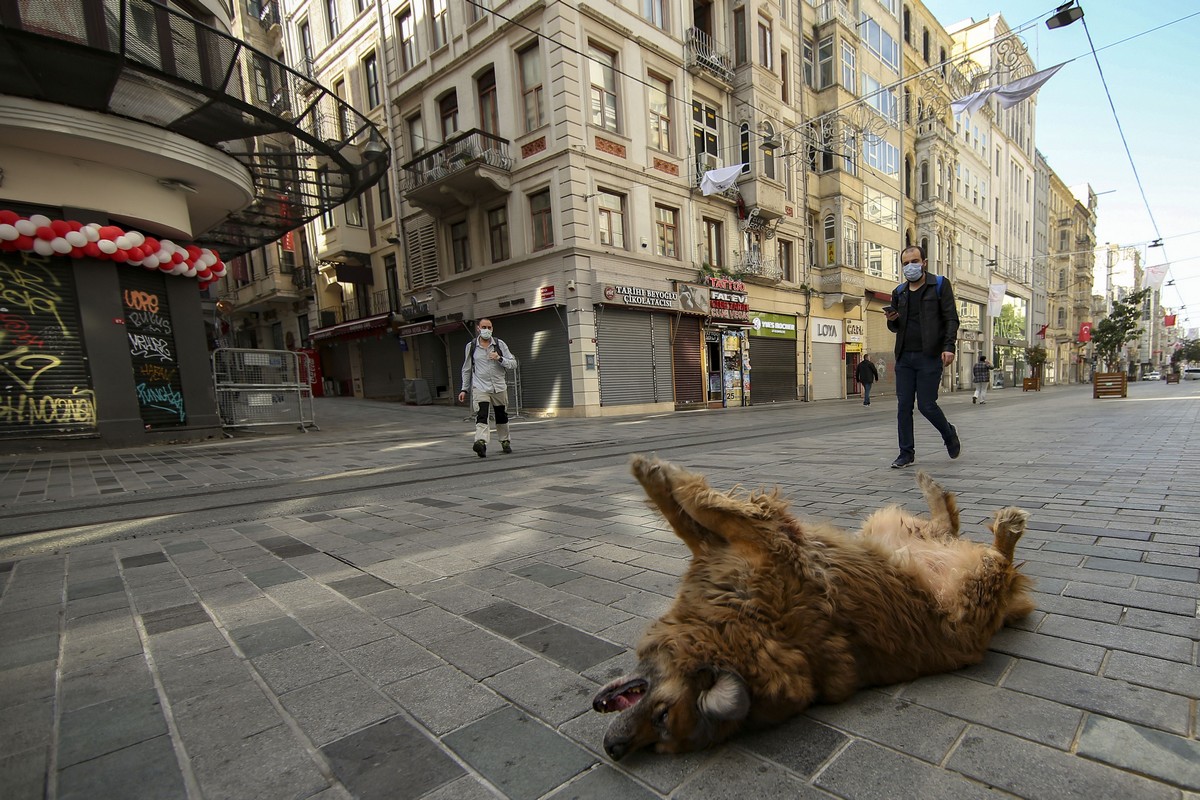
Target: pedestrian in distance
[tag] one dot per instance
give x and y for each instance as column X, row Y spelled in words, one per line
column 866, row 374
column 484, row 362
column 981, row 376
column 924, row 316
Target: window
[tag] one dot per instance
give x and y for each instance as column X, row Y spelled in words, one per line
column 531, row 87
column 385, row 196
column 1062, row 280
column 766, row 53
column 768, row 154
column 849, row 242
column 810, row 63
column 739, row 36
column 880, row 43
column 306, row 48
column 907, row 25
column 343, row 116
column 460, row 246
column 448, row 112
column 908, row 177
column 498, row 233
column 421, row 254
column 924, row 178
column 881, row 99
column 325, row 197
column 391, row 277
column 785, row 90
column 666, row 223
column 880, row 208
column 331, row 17
column 477, row 10
column 354, row 212
column 745, row 147
column 714, row 243
column 658, row 96
column 437, row 24
column 882, row 156
column 830, row 229
column 848, row 70
column 612, row 219
column 882, row 261
column 416, row 135
column 786, row 267
column 655, row 12
column 705, row 137
column 541, row 217
column 825, row 62
column 925, row 45
column 1062, row 318
column 370, row 68
column 489, row 113
column 407, row 31
column 603, row 68
column 360, row 6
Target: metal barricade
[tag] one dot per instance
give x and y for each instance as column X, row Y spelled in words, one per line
column 512, row 377
column 263, row 387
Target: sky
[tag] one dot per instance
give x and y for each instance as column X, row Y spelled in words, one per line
column 1151, row 79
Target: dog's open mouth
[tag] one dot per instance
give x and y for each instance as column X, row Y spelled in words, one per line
column 620, row 695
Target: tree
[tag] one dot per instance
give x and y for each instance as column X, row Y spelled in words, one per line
column 1189, row 351
column 1036, row 356
column 1110, row 334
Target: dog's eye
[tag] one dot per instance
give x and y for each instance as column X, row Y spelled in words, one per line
column 660, row 716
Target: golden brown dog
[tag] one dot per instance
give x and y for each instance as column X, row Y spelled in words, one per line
column 773, row 614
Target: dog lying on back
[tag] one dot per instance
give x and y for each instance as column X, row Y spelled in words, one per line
column 774, row 615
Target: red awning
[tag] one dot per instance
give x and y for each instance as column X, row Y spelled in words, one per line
column 355, row 327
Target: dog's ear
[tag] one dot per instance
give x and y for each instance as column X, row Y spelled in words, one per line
column 725, row 698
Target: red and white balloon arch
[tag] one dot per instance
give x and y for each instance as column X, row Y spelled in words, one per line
column 46, row 237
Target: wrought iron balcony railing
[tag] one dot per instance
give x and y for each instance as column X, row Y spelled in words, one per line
column 466, row 150
column 141, row 60
column 755, row 266
column 701, row 51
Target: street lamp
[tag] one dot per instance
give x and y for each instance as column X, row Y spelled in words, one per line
column 1065, row 15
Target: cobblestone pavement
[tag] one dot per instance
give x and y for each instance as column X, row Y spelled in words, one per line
column 441, row 635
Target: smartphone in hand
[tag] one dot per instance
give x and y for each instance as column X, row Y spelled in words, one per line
column 888, row 309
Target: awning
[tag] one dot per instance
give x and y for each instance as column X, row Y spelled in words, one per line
column 351, row 328
column 415, row 328
column 353, row 273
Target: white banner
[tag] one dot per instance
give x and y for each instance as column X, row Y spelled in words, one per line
column 996, row 298
column 1155, row 275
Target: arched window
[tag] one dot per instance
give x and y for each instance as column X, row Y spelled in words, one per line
column 907, row 25
column 850, row 241
column 830, row 241
column 745, row 148
column 925, row 44
column 908, row 177
column 907, row 106
column 768, row 153
column 924, row 191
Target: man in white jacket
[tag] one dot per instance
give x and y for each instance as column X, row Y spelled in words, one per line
column 484, row 365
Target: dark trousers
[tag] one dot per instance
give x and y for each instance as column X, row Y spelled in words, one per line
column 481, row 416
column 867, row 392
column 918, row 378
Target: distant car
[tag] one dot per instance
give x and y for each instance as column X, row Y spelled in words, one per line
column 1152, row 376
column 1191, row 374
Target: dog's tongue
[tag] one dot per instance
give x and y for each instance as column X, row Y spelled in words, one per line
column 626, row 699
column 620, row 695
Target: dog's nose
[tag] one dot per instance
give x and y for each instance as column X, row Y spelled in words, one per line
column 616, row 750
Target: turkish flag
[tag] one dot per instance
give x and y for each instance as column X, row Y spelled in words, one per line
column 1085, row 331
column 1169, row 320
column 1042, row 331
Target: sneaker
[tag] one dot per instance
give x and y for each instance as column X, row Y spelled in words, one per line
column 480, row 448
column 954, row 446
column 866, row 402
column 974, row 400
column 506, row 447
column 902, row 461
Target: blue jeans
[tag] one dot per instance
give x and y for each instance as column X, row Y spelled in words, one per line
column 867, row 392
column 918, row 378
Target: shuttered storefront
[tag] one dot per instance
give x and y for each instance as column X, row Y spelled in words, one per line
column 382, row 366
column 772, row 370
column 152, row 348
column 49, row 389
column 633, row 350
column 539, row 342
column 685, row 350
column 828, row 371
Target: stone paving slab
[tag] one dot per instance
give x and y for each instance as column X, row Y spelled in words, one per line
column 447, row 644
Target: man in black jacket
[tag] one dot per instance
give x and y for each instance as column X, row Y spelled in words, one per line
column 924, row 317
column 866, row 374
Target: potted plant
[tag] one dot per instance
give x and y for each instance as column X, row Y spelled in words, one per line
column 1109, row 338
column 1036, row 357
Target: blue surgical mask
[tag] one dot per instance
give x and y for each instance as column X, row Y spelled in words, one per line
column 485, row 333
column 912, row 272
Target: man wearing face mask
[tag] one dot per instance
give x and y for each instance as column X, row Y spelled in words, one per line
column 484, row 363
column 924, row 317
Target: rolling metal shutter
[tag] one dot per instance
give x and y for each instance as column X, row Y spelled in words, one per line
column 152, row 348
column 772, row 370
column 538, row 340
column 881, row 345
column 828, row 371
column 689, row 378
column 47, row 388
column 633, row 350
column 382, row 366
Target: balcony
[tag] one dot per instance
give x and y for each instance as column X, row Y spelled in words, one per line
column 702, row 54
column 146, row 62
column 836, row 9
column 765, row 198
column 473, row 167
column 753, row 267
column 344, row 243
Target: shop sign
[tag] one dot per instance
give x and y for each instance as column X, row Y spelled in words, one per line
column 775, row 326
column 826, row 330
column 856, row 331
column 968, row 315
column 641, row 297
column 546, row 294
column 727, row 301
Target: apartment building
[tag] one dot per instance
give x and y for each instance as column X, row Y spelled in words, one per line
column 1071, row 240
column 136, row 144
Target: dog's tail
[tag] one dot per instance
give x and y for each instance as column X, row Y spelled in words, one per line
column 943, row 510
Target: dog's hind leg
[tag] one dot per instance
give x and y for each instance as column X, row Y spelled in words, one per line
column 658, row 479
column 943, row 509
column 1008, row 527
